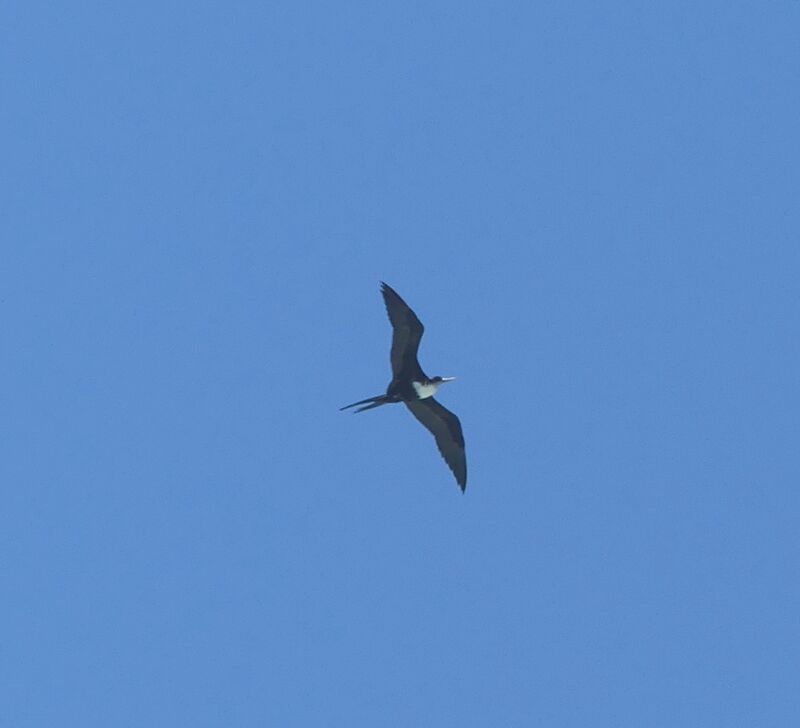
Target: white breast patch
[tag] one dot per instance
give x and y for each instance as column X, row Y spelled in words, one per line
column 424, row 390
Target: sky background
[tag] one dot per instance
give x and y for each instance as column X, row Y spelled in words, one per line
column 593, row 208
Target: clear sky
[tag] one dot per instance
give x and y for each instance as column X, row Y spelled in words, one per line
column 593, row 208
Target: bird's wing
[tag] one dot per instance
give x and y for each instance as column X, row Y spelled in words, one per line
column 447, row 430
column 407, row 331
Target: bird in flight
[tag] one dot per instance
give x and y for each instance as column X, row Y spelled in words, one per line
column 413, row 387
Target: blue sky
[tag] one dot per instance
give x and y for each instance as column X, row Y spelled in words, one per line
column 593, row 207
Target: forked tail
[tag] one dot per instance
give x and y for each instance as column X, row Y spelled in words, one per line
column 373, row 402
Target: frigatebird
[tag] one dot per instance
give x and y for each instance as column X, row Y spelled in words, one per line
column 415, row 389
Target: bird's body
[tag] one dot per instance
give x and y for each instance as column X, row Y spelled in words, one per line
column 413, row 387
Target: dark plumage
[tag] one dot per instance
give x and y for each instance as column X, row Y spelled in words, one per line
column 413, row 387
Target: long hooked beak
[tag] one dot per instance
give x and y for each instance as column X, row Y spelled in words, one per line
column 448, row 379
